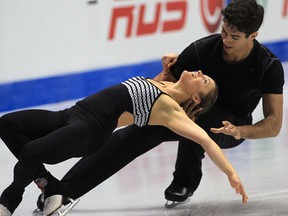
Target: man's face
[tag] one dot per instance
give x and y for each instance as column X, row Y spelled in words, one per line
column 234, row 41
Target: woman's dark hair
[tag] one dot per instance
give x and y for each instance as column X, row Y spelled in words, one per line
column 244, row 15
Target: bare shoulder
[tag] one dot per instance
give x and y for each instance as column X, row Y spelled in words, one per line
column 163, row 110
column 167, row 103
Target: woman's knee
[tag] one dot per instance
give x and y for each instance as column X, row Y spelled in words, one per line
column 29, row 152
column 5, row 124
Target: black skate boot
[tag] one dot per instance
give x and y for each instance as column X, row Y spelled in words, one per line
column 10, row 199
column 176, row 194
column 39, row 204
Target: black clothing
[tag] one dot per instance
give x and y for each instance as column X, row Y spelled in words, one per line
column 120, row 149
column 126, row 144
column 39, row 136
column 11, row 197
column 241, row 86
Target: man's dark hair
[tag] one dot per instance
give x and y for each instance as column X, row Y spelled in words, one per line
column 244, row 15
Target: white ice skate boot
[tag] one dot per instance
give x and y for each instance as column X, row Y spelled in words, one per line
column 4, row 211
column 53, row 204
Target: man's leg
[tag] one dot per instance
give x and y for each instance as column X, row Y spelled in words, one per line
column 188, row 167
column 188, row 172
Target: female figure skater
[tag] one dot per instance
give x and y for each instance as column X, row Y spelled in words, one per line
column 40, row 136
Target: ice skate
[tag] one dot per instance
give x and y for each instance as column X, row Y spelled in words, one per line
column 38, row 212
column 53, row 194
column 53, row 204
column 4, row 211
column 41, row 182
column 173, row 204
column 40, row 205
column 70, row 206
column 176, row 195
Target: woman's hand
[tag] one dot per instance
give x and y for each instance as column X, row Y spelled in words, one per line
column 237, row 185
column 228, row 129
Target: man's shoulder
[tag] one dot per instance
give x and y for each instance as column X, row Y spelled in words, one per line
column 264, row 51
column 208, row 41
column 265, row 55
column 208, row 46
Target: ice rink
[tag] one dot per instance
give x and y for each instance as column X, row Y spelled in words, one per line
column 138, row 189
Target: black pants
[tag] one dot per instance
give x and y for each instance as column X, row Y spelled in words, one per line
column 128, row 143
column 38, row 136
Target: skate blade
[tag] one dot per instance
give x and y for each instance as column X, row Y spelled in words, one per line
column 72, row 204
column 170, row 204
column 173, row 204
column 37, row 212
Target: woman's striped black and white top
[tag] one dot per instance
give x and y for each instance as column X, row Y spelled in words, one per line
column 143, row 95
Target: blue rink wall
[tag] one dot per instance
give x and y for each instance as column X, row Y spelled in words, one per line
column 28, row 93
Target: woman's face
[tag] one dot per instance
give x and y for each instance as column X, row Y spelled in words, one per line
column 196, row 82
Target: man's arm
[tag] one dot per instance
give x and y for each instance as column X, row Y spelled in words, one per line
column 270, row 126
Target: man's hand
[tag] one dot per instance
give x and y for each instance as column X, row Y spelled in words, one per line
column 191, row 109
column 168, row 60
column 228, row 129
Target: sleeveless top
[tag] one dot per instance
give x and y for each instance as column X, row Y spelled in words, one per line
column 143, row 95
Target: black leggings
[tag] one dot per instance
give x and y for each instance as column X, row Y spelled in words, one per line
column 128, row 143
column 38, row 136
column 123, row 146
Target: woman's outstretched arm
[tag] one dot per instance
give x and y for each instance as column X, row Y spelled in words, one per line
column 169, row 114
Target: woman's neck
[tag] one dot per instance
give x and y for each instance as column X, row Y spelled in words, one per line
column 174, row 90
column 177, row 93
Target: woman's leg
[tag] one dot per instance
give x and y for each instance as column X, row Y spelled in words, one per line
column 71, row 140
column 19, row 128
column 119, row 150
column 16, row 130
column 75, row 140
